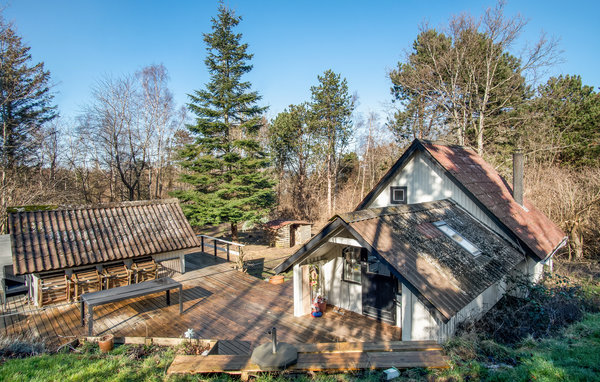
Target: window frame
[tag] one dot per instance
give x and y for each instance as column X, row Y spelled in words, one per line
column 354, row 253
column 404, row 190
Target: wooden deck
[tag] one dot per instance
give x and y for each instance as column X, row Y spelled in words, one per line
column 218, row 303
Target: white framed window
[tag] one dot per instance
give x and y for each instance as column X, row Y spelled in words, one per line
column 398, row 195
column 352, row 268
column 451, row 233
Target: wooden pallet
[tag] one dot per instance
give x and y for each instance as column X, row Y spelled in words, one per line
column 329, row 357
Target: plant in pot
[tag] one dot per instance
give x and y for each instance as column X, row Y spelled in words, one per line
column 106, row 343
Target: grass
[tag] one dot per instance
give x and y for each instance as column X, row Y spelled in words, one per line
column 573, row 355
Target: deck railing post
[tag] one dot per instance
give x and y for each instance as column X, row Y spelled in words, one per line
column 227, row 251
column 202, row 241
column 215, row 244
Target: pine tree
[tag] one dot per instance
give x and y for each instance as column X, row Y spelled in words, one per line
column 226, row 165
column 25, row 99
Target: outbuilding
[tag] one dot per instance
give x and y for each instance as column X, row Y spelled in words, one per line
column 288, row 233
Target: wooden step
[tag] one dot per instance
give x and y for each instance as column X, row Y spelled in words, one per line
column 382, row 346
column 340, row 361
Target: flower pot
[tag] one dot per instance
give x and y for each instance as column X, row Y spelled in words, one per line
column 106, row 343
column 322, row 306
column 276, row 279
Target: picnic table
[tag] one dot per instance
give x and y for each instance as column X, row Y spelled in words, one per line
column 126, row 292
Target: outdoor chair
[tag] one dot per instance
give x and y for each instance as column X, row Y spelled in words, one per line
column 85, row 281
column 53, row 288
column 116, row 275
column 145, row 269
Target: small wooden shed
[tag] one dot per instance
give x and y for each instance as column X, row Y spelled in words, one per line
column 287, row 233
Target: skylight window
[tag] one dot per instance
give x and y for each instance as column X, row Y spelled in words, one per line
column 451, row 233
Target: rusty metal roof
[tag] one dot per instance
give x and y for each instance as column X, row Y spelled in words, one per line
column 529, row 224
column 75, row 236
column 481, row 182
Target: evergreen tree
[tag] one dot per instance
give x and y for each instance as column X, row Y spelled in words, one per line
column 226, row 164
column 25, row 99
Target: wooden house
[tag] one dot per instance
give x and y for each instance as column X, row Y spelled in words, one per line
column 288, row 233
column 433, row 244
column 63, row 248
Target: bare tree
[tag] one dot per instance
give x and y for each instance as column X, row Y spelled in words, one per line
column 114, row 117
column 470, row 74
column 159, row 121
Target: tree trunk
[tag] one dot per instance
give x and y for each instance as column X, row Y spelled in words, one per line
column 576, row 241
column 329, row 186
column 234, row 232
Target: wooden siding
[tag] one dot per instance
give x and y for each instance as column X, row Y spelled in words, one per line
column 425, row 182
column 340, row 293
column 419, row 324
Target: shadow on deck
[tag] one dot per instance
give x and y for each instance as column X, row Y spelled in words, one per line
column 219, row 303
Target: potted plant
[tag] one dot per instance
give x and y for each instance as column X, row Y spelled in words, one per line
column 106, row 343
column 321, row 303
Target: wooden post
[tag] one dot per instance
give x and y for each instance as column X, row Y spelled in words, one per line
column 227, row 251
column 202, row 241
column 215, row 244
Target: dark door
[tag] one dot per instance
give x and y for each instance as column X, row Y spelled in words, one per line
column 378, row 290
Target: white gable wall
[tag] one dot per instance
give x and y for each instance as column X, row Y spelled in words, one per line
column 425, row 182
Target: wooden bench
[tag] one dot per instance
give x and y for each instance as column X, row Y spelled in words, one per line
column 116, row 275
column 126, row 292
column 145, row 270
column 85, row 281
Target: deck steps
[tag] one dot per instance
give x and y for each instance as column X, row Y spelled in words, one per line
column 343, row 356
column 385, row 346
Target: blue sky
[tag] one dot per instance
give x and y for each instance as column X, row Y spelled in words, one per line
column 292, row 42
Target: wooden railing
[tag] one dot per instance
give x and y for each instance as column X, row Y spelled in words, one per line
column 225, row 246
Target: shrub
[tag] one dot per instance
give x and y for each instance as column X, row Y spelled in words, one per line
column 20, row 346
column 541, row 310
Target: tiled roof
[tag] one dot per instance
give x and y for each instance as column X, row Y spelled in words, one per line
column 442, row 272
column 528, row 224
column 76, row 236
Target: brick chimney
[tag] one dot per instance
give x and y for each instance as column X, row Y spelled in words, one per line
column 518, row 176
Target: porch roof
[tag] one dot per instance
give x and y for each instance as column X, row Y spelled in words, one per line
column 439, row 271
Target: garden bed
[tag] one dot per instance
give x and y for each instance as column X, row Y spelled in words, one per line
column 191, row 346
